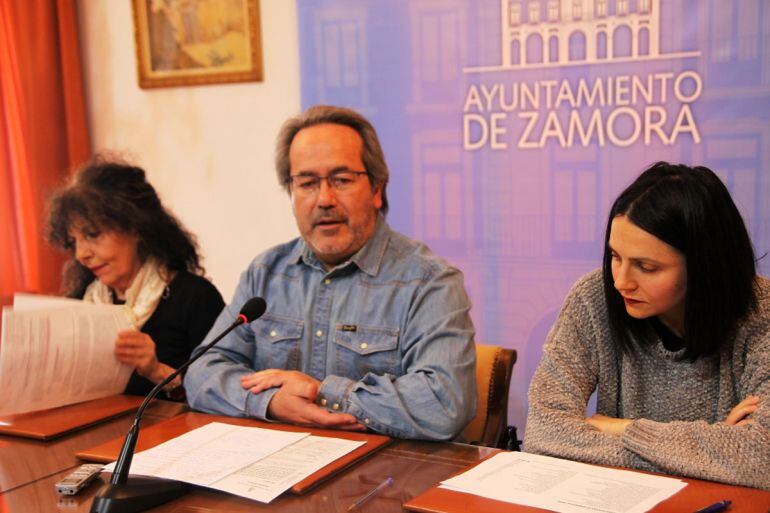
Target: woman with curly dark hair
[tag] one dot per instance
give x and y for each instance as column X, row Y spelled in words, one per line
column 126, row 248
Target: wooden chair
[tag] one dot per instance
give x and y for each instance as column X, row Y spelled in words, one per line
column 494, row 366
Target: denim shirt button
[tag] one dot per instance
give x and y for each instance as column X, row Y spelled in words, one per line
column 323, row 402
column 335, row 406
column 319, row 333
column 327, row 281
column 363, row 345
column 273, row 333
column 366, row 421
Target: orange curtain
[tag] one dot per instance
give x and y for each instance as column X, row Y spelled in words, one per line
column 43, row 133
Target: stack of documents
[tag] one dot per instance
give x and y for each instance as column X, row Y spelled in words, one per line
column 256, row 463
column 563, row 486
column 57, row 351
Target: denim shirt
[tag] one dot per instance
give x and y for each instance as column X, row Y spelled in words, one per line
column 388, row 334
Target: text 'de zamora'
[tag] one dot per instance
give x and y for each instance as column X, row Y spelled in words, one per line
column 621, row 127
column 619, row 110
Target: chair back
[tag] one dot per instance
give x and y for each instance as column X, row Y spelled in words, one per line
column 494, row 366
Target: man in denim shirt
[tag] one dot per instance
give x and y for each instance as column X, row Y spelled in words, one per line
column 365, row 328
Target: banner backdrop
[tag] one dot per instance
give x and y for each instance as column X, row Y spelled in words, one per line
column 510, row 126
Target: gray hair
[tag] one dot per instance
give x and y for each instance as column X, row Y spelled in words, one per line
column 372, row 155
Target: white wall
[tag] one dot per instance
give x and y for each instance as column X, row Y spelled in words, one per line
column 208, row 150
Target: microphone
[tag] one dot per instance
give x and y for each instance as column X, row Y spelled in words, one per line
column 124, row 495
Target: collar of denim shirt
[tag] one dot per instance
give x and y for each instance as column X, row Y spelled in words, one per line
column 368, row 258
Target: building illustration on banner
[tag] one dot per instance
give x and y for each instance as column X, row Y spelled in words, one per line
column 551, row 33
column 523, row 222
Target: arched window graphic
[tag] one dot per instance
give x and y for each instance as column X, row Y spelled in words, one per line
column 515, row 52
column 621, row 42
column 601, row 45
column 577, row 46
column 553, row 49
column 534, row 49
column 644, row 42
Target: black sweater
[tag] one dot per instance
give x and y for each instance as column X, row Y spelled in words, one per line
column 179, row 323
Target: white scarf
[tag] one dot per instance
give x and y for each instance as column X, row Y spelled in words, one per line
column 142, row 297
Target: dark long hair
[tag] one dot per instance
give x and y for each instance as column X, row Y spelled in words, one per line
column 112, row 195
column 690, row 209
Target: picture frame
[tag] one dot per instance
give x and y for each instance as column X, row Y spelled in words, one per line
column 196, row 42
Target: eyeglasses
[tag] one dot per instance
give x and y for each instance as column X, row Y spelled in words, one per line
column 309, row 184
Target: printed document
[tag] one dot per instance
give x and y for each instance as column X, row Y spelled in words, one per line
column 563, row 486
column 56, row 351
column 256, row 463
column 268, row 478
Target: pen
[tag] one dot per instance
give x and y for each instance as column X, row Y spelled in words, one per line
column 716, row 507
column 372, row 493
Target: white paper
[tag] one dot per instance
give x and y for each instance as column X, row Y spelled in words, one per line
column 563, row 486
column 209, row 453
column 28, row 302
column 256, row 463
column 266, row 479
column 53, row 354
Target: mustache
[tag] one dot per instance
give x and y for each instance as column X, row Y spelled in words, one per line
column 328, row 217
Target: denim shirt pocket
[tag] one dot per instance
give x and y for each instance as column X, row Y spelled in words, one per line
column 278, row 343
column 363, row 349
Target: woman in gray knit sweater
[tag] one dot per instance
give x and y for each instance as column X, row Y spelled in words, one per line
column 674, row 334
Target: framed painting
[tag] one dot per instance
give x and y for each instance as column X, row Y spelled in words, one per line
column 195, row 42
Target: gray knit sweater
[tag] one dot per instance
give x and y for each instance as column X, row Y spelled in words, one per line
column 678, row 407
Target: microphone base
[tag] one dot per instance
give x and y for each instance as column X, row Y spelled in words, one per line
column 138, row 494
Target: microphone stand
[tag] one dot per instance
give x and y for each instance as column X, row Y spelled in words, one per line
column 124, row 495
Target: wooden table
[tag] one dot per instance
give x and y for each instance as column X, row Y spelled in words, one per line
column 414, row 466
column 24, row 460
